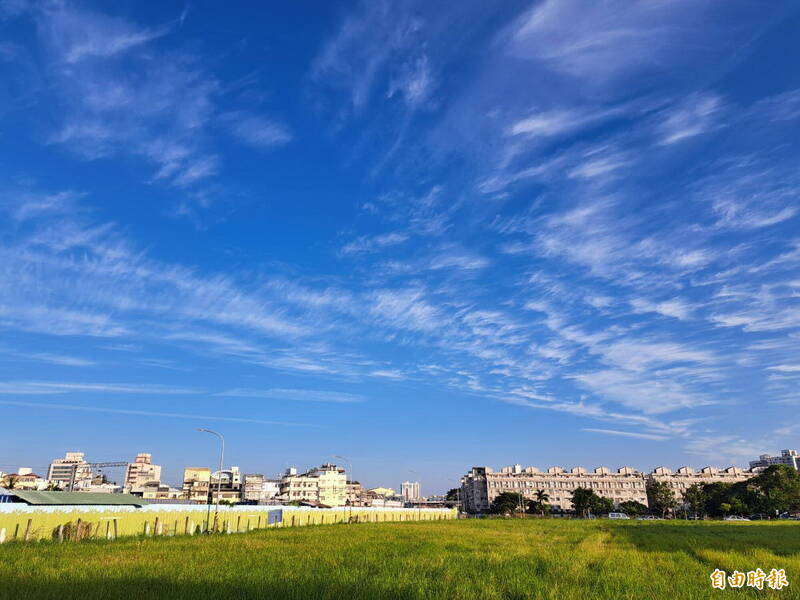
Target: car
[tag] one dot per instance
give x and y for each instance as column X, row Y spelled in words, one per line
column 759, row 517
column 618, row 515
column 649, row 518
column 735, row 518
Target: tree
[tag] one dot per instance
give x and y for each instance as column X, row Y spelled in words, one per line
column 53, row 486
column 717, row 494
column 539, row 503
column 633, row 508
column 660, row 497
column 10, row 481
column 776, row 489
column 695, row 497
column 452, row 494
column 507, row 503
column 582, row 500
column 600, row 505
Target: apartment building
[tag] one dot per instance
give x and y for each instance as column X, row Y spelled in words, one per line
column 141, row 471
column 71, row 468
column 226, row 485
column 326, row 484
column 196, row 483
column 685, row 477
column 252, row 488
column 410, row 491
column 482, row 485
column 787, row 457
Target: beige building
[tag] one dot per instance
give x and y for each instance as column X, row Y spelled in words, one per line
column 482, row 485
column 326, row 484
column 383, row 491
column 141, row 471
column 195, row 483
column 685, row 477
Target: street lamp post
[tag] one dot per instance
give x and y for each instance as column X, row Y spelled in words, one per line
column 352, row 479
column 219, row 479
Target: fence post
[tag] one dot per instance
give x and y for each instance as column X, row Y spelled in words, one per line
column 147, row 528
column 2, row 535
column 239, row 524
column 116, row 528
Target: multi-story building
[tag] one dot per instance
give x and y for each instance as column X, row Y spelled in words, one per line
column 270, row 489
column 326, row 484
column 141, row 471
column 685, row 477
column 787, row 457
column 482, row 485
column 72, row 469
column 155, row 490
column 383, row 491
column 195, row 484
column 252, row 488
column 356, row 494
column 410, row 491
column 226, row 485
column 26, row 479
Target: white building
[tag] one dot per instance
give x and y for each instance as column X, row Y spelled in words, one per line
column 410, row 491
column 326, row 484
column 787, row 457
column 63, row 470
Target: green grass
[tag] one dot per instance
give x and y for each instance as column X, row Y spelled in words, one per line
column 474, row 559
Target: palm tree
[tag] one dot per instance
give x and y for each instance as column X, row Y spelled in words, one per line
column 541, row 499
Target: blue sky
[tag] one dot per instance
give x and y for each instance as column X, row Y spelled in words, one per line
column 421, row 236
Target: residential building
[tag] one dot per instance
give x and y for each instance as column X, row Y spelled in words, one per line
column 685, row 477
column 72, row 469
column 410, row 491
column 252, row 488
column 141, row 471
column 326, row 484
column 226, row 485
column 23, row 479
column 356, row 494
column 195, row 484
column 155, row 490
column 482, row 485
column 270, row 490
column 383, row 491
column 787, row 457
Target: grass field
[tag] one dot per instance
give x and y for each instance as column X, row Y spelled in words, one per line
column 480, row 559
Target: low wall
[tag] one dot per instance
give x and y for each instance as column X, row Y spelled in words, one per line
column 19, row 522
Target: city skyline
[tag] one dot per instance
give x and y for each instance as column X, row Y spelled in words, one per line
column 424, row 238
